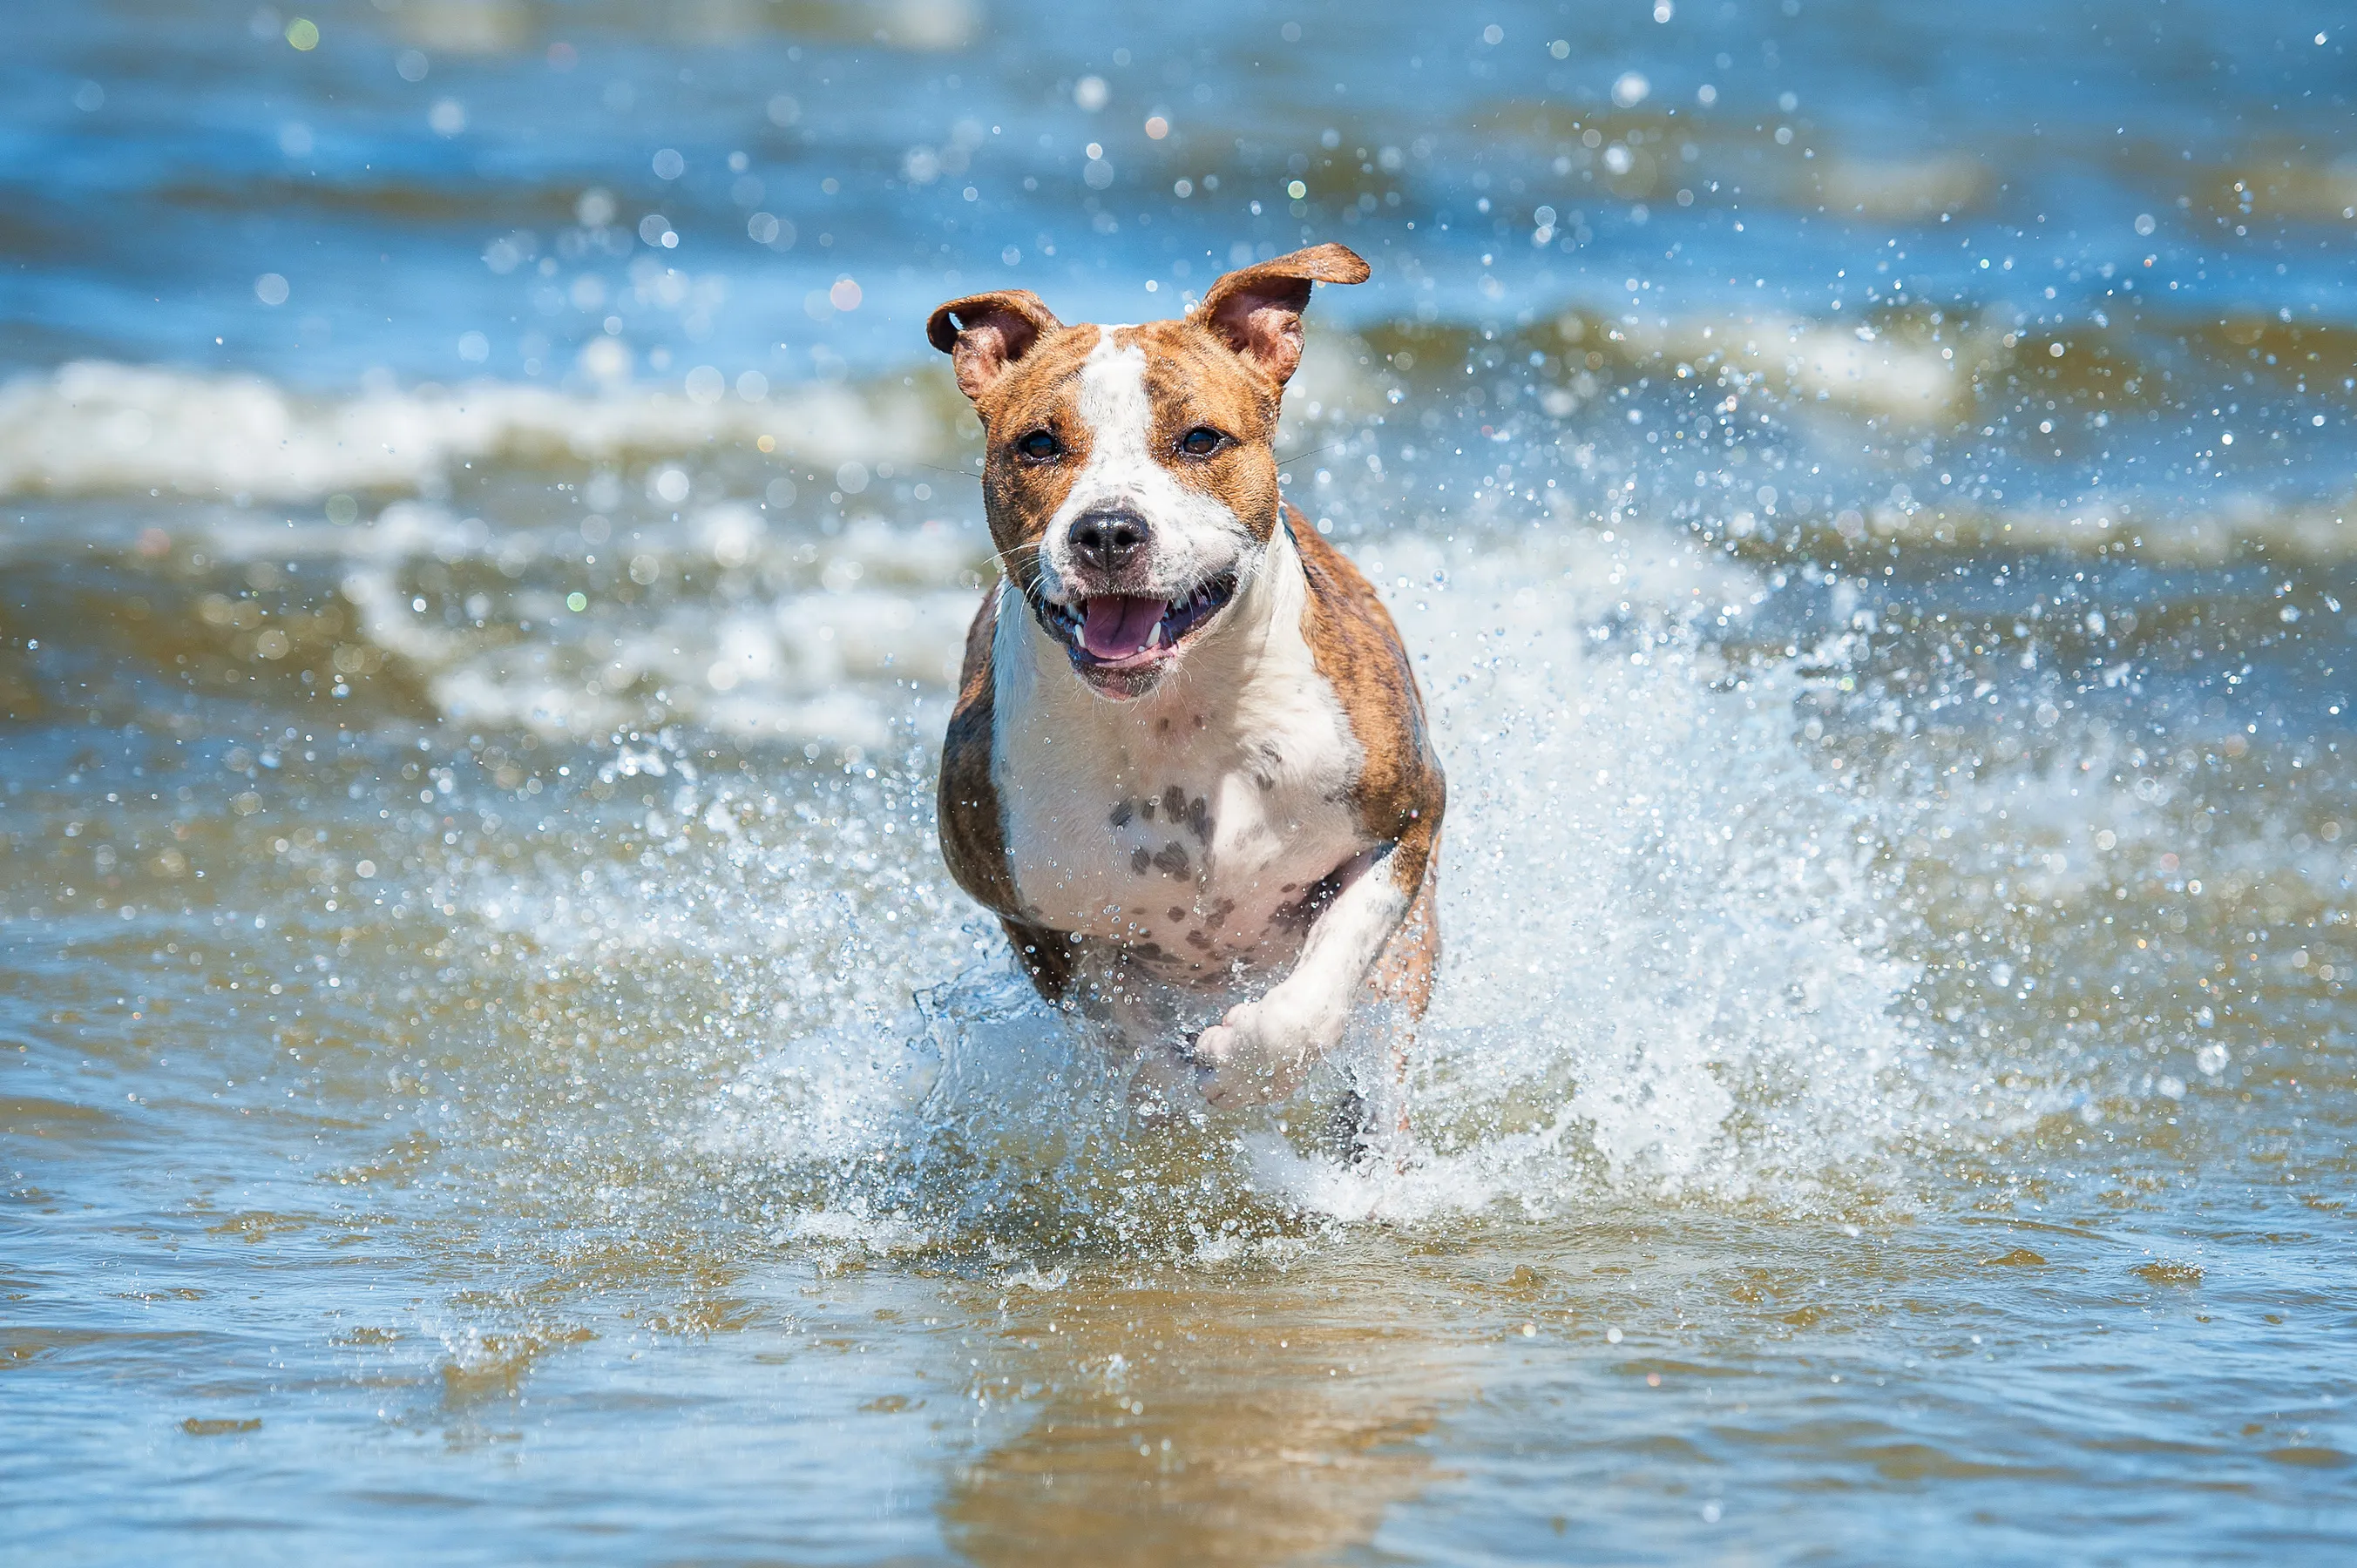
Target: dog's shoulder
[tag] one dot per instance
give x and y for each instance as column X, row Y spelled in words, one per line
column 1358, row 651
column 974, row 830
column 973, row 827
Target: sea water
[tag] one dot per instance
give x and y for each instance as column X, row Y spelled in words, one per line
column 495, row 1068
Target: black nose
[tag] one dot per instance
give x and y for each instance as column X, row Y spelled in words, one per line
column 1108, row 541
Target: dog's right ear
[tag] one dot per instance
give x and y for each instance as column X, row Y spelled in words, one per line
column 982, row 334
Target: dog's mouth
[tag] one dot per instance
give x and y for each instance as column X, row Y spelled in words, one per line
column 1121, row 633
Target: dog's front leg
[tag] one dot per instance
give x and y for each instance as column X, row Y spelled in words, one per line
column 1262, row 1051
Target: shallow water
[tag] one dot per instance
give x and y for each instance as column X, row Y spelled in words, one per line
column 499, row 1071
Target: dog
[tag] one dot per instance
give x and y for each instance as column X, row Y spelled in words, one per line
column 1188, row 767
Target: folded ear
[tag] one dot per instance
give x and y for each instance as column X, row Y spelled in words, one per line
column 984, row 333
column 1257, row 310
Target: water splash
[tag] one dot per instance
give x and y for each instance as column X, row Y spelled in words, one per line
column 1667, row 972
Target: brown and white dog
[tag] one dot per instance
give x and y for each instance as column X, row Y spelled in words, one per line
column 1189, row 769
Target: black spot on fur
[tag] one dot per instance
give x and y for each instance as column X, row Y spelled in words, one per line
column 1299, row 914
column 1172, row 859
column 1139, row 860
column 1176, row 913
column 1121, row 813
column 1198, row 817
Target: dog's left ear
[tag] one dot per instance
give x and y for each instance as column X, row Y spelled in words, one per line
column 1257, row 309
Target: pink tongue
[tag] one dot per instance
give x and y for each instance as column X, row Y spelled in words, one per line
column 1117, row 625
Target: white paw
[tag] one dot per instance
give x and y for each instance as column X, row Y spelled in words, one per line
column 1260, row 1052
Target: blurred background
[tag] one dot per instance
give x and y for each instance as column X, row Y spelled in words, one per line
column 483, row 549
column 476, row 290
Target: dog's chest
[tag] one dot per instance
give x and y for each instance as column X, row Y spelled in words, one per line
column 1189, row 832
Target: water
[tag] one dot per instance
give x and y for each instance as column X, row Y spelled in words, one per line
column 498, row 1069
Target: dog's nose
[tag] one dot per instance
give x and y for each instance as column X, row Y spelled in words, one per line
column 1108, row 541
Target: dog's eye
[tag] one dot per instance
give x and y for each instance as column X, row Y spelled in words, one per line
column 1039, row 446
column 1201, row 441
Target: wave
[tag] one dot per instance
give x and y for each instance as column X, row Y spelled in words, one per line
column 96, row 429
column 1584, row 381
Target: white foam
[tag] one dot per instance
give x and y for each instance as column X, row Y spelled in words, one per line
column 818, row 659
column 97, row 428
column 2163, row 530
column 1859, row 368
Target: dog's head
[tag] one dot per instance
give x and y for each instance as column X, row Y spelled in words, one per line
column 1130, row 474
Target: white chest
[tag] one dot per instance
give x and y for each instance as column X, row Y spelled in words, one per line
column 1190, row 826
